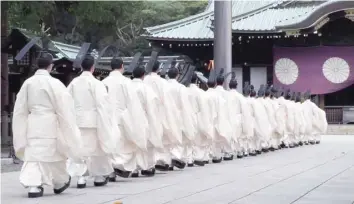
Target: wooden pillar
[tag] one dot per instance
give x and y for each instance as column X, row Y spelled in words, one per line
column 4, row 76
column 322, row 101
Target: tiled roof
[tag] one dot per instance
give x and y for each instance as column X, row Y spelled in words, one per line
column 247, row 17
column 270, row 18
column 69, row 51
column 197, row 27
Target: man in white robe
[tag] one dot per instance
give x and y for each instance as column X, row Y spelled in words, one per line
column 204, row 135
column 45, row 133
column 290, row 120
column 263, row 125
column 299, row 134
column 241, row 118
column 222, row 130
column 168, row 111
column 280, row 116
column 250, row 93
column 153, row 128
column 185, row 118
column 93, row 118
column 271, row 111
column 227, row 132
column 127, row 113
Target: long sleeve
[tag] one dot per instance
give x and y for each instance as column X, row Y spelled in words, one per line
column 104, row 124
column 19, row 122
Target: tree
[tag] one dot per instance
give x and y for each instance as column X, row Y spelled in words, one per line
column 100, row 22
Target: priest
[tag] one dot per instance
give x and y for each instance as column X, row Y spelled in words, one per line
column 241, row 118
column 168, row 111
column 204, row 135
column 226, row 132
column 250, row 137
column 93, row 118
column 280, row 115
column 44, row 128
column 186, row 120
column 153, row 125
column 126, row 113
column 271, row 111
column 219, row 111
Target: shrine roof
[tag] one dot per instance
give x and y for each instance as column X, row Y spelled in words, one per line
column 261, row 16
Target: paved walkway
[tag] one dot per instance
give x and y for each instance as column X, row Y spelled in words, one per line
column 321, row 174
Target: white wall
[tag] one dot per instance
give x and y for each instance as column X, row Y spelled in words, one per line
column 258, row 76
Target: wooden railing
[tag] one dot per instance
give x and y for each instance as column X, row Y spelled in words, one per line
column 334, row 114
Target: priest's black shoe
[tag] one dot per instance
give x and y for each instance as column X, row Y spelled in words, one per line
column 312, row 142
column 272, row 149
column 199, row 163
column 149, row 172
column 62, row 189
column 318, row 142
column 178, row 163
column 101, row 183
column 301, row 143
column 170, row 168
column 239, row 156
column 206, row 162
column 258, row 152
column 124, row 174
column 229, row 158
column 135, row 174
column 161, row 167
column 217, row 160
column 265, row 150
column 36, row 194
column 190, row 164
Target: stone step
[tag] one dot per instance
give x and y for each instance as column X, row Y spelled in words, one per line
column 340, row 130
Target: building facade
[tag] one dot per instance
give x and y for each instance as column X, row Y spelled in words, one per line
column 298, row 45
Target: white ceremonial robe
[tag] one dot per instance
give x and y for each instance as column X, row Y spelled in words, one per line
column 290, row 121
column 323, row 123
column 270, row 109
column 186, row 121
column 172, row 134
column 229, row 120
column 127, row 114
column 222, row 134
column 244, row 122
column 204, row 134
column 93, row 118
column 280, row 117
column 251, row 142
column 300, row 122
column 44, row 128
column 263, row 129
column 150, row 104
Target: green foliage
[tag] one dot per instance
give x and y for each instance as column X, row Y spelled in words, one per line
column 99, row 22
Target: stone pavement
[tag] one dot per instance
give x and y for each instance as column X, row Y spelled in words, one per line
column 316, row 174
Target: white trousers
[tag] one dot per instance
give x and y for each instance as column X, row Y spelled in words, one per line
column 44, row 173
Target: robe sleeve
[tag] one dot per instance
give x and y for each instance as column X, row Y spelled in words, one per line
column 188, row 121
column 19, row 122
column 246, row 122
column 154, row 119
column 222, row 125
column 134, row 117
column 104, row 123
column 204, row 124
column 174, row 132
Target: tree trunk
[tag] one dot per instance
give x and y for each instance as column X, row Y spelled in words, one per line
column 4, row 75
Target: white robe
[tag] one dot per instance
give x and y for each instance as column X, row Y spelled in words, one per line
column 44, row 128
column 185, row 118
column 95, row 123
column 290, row 120
column 263, row 126
column 127, row 114
column 251, row 141
column 280, row 117
column 150, row 105
column 204, row 135
column 246, row 121
column 270, row 109
column 222, row 136
column 235, row 118
column 168, row 111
